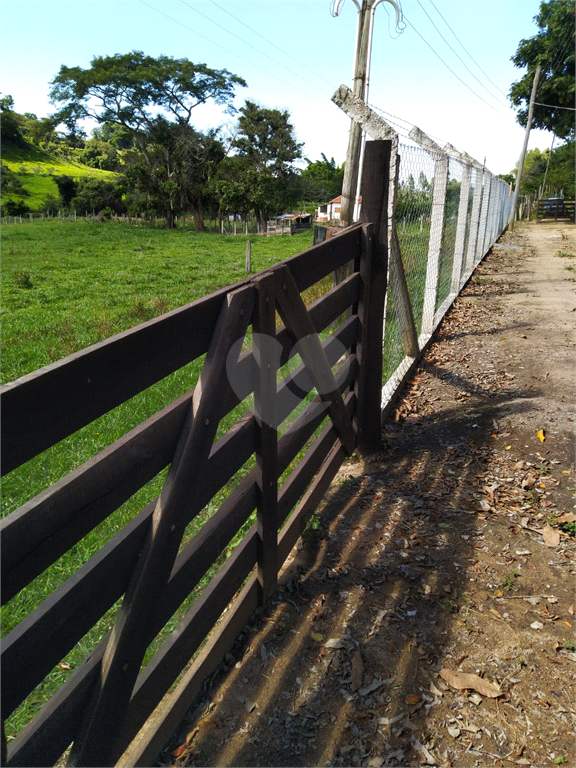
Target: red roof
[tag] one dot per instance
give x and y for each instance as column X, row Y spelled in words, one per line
column 339, row 199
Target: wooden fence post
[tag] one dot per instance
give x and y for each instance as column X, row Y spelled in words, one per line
column 248, row 257
column 373, row 269
column 266, row 358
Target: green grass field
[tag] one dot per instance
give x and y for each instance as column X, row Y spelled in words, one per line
column 36, row 170
column 67, row 285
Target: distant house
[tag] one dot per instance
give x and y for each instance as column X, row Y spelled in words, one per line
column 297, row 221
column 291, row 222
column 331, row 211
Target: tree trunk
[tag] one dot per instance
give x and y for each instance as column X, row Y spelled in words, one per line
column 170, row 223
column 199, row 221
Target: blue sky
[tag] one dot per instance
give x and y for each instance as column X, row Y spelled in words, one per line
column 293, row 55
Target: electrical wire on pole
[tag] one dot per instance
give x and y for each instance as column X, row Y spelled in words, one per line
column 360, row 82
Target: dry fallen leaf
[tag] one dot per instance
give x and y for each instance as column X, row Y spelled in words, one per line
column 551, row 537
column 64, row 665
column 413, row 698
column 541, row 435
column 567, row 517
column 357, row 672
column 462, row 680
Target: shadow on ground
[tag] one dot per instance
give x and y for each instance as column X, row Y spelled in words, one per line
column 339, row 667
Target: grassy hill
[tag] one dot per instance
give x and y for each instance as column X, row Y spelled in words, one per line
column 36, row 170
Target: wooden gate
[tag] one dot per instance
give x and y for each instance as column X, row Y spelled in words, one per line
column 102, row 708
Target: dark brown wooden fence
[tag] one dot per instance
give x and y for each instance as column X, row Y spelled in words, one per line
column 555, row 208
column 102, row 708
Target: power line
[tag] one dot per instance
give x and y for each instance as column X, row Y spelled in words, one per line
column 554, row 106
column 458, row 55
column 450, row 68
column 249, row 44
column 251, row 63
column 467, row 53
column 306, row 66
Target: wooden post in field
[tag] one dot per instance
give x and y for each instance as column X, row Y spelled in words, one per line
column 248, row 257
column 373, row 268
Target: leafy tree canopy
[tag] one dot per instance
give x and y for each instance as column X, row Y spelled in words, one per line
column 266, row 137
column 263, row 170
column 322, row 180
column 553, row 49
column 129, row 90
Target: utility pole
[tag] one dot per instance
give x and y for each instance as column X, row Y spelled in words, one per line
column 524, row 148
column 360, row 82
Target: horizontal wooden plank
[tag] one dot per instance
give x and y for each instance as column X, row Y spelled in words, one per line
column 32, row 649
column 58, row 720
column 44, row 637
column 47, row 405
column 90, row 493
column 312, row 265
column 302, row 475
column 40, row 531
column 44, row 734
column 295, row 315
column 152, row 738
column 296, row 523
column 177, row 651
column 50, row 733
column 325, row 310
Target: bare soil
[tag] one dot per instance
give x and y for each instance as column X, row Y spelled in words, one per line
column 449, row 553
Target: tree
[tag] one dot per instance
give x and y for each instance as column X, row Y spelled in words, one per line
column 553, row 49
column 11, row 121
column 266, row 147
column 176, row 176
column 561, row 170
column 67, row 188
column 560, row 175
column 128, row 89
column 152, row 99
column 322, row 180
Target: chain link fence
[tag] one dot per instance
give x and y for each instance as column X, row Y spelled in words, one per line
column 449, row 210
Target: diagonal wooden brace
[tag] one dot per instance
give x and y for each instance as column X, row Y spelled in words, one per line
column 298, row 322
column 131, row 634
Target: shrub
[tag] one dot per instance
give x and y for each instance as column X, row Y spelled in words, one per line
column 15, row 208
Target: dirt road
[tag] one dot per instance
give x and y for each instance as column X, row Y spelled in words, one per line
column 450, row 554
